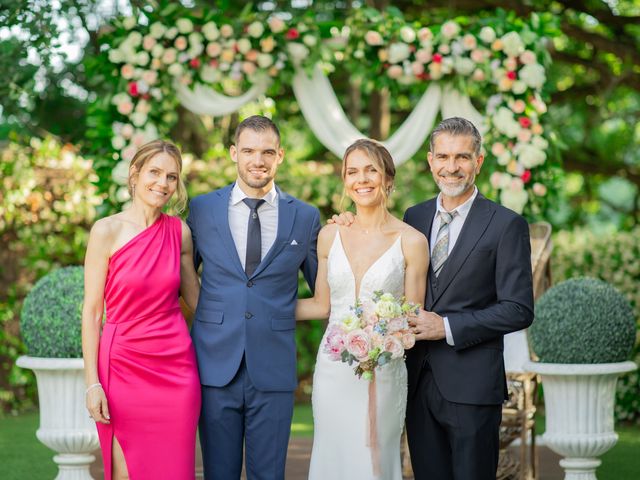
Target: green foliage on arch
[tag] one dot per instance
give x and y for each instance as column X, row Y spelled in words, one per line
column 499, row 61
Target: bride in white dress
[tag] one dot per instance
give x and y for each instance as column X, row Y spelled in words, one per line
column 377, row 252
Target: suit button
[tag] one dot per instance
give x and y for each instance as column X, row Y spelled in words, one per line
column 249, row 284
column 248, row 315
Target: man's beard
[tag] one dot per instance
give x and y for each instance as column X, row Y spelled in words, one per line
column 254, row 183
column 456, row 190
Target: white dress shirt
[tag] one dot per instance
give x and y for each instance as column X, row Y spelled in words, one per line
column 454, row 232
column 239, row 220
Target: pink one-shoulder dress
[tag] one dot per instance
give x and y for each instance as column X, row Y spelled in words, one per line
column 146, row 361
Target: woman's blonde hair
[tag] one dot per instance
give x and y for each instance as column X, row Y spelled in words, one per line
column 145, row 153
column 381, row 159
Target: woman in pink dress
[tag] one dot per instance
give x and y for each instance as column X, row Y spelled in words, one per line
column 142, row 381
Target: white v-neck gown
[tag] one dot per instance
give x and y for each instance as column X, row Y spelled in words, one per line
column 340, row 399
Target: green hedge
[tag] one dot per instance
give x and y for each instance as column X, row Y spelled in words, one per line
column 614, row 258
column 583, row 320
column 51, row 318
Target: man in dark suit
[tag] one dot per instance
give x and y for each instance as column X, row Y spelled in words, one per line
column 479, row 289
column 251, row 239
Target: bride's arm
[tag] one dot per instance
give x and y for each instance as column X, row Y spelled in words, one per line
column 319, row 306
column 416, row 254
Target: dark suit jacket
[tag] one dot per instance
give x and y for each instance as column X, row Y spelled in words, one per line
column 252, row 316
column 485, row 289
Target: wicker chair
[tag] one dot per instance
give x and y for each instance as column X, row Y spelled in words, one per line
column 518, row 412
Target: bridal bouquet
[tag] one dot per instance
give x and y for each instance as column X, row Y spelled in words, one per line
column 373, row 333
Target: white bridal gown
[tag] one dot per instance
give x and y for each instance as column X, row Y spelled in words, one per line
column 340, row 399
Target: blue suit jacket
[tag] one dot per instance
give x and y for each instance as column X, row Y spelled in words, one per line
column 251, row 316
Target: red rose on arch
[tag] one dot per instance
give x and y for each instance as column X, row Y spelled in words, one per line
column 437, row 58
column 512, row 75
column 292, row 34
column 194, row 62
column 525, row 122
column 132, row 88
column 526, row 176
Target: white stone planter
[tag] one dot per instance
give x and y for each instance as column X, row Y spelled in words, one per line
column 65, row 426
column 579, row 401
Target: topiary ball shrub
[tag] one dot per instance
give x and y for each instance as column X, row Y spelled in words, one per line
column 51, row 317
column 583, row 320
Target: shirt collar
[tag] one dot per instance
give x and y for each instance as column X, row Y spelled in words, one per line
column 463, row 210
column 237, row 195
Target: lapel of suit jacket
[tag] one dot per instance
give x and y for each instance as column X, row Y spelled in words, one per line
column 425, row 221
column 473, row 229
column 221, row 211
column 286, row 218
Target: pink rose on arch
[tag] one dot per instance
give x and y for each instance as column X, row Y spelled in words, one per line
column 358, row 344
column 528, row 57
column 249, row 68
column 127, row 71
column 251, row 55
column 394, row 346
column 395, row 71
column 148, row 42
column 373, row 38
column 408, row 340
column 125, row 108
column 424, row 55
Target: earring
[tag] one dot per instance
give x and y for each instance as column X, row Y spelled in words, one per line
column 133, row 190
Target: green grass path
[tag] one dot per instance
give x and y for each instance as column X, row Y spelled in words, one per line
column 21, row 452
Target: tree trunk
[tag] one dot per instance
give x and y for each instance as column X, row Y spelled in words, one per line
column 379, row 114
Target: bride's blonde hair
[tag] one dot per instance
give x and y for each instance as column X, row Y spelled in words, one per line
column 382, row 162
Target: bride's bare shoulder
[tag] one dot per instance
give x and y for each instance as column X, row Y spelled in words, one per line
column 325, row 238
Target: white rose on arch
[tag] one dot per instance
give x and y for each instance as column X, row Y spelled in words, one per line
column 514, row 199
column 530, row 156
column 210, row 31
column 533, row 75
column 184, row 25
column 505, row 122
column 512, row 44
column 120, row 173
column 398, row 52
column 156, row 30
column 407, row 34
column 487, row 34
column 464, row 65
column 297, row 51
column 255, row 29
column 450, row 29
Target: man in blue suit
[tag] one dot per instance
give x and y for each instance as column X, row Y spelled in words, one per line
column 251, row 239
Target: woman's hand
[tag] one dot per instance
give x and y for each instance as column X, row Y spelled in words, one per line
column 97, row 405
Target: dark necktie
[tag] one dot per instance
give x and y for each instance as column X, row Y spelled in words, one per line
column 254, row 237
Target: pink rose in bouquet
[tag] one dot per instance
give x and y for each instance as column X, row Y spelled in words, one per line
column 358, row 344
column 371, row 334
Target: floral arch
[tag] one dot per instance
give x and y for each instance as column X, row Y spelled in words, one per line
column 173, row 56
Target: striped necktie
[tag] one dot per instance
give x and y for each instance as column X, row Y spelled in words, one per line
column 441, row 249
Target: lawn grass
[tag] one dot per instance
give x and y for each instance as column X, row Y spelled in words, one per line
column 22, row 456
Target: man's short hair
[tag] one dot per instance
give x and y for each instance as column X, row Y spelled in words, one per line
column 457, row 126
column 257, row 123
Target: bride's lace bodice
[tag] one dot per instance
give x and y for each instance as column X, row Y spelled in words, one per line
column 386, row 274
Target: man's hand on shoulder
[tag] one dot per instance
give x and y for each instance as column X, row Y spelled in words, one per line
column 345, row 219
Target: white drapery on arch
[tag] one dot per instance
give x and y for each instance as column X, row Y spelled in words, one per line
column 327, row 119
